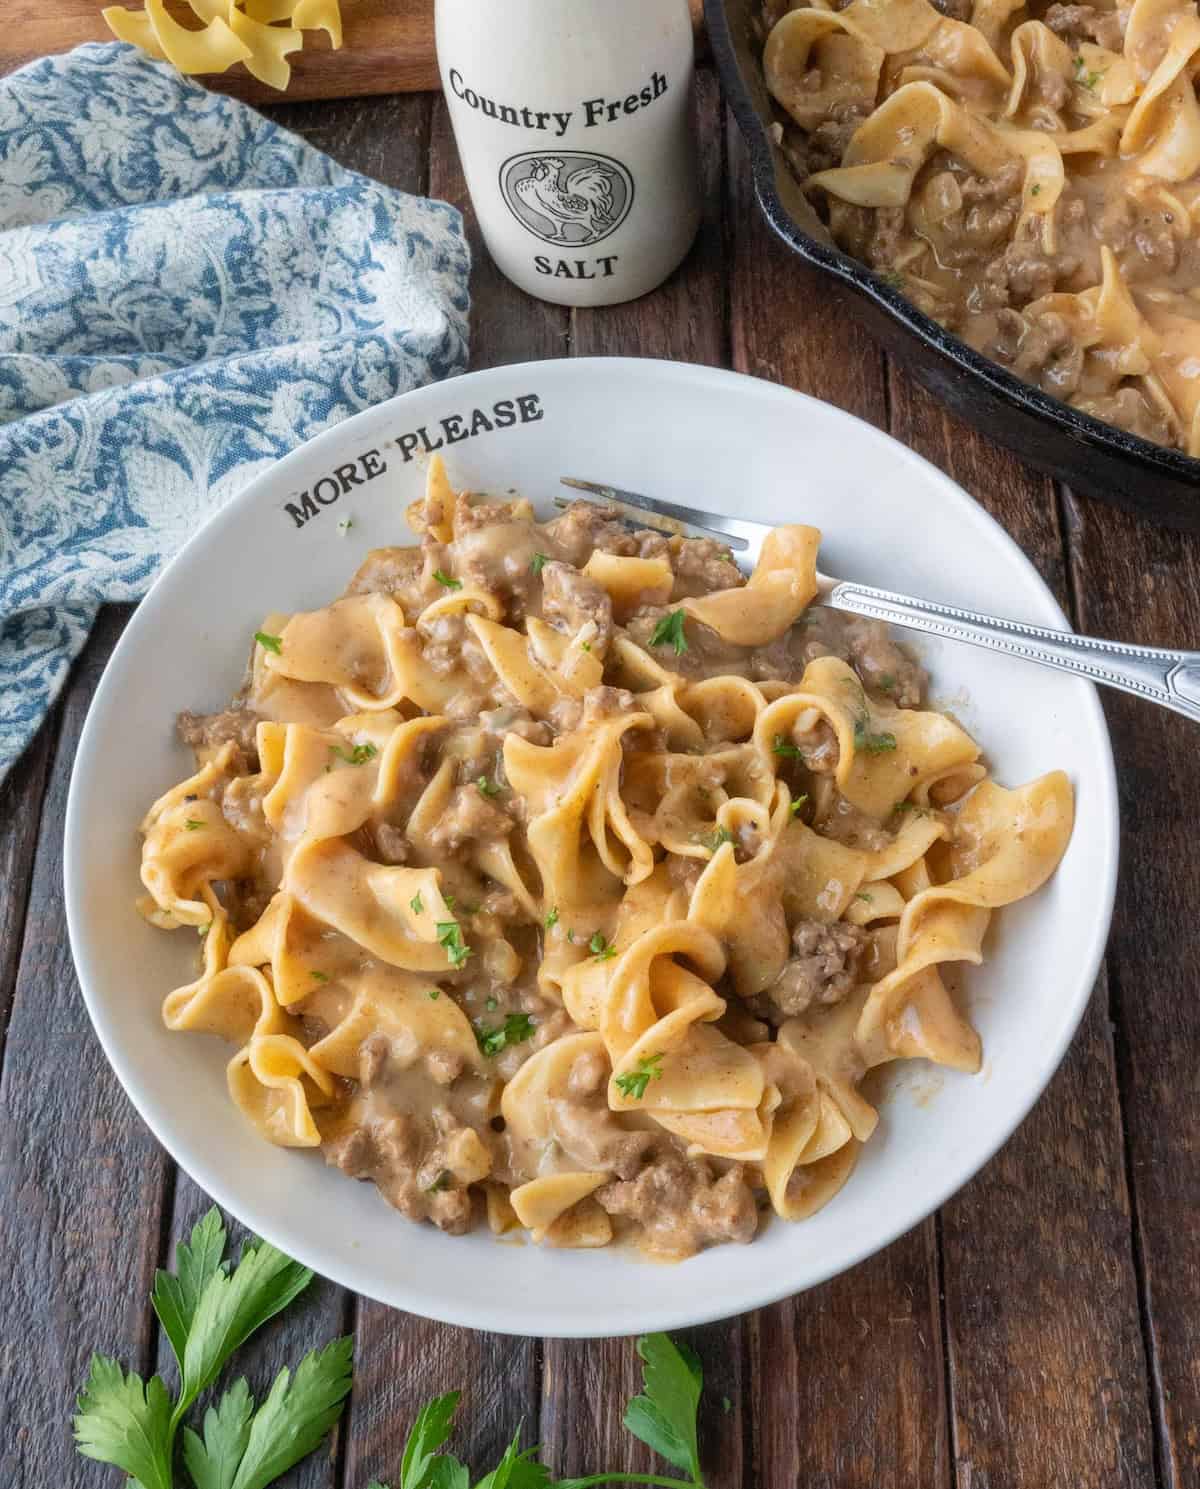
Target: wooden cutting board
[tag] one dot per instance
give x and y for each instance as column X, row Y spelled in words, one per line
column 388, row 47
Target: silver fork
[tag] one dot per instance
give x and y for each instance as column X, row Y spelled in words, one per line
column 1170, row 678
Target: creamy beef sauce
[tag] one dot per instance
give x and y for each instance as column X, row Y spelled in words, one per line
column 419, row 1124
column 978, row 251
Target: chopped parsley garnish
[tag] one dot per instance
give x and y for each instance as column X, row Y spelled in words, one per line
column 1035, row 191
column 515, row 1029
column 269, row 642
column 491, row 1005
column 449, row 901
column 795, row 806
column 863, row 895
column 441, row 1182
column 571, row 937
column 449, row 934
column 434, row 994
column 416, row 904
column 319, row 976
column 781, row 746
column 669, row 632
column 600, row 948
column 359, row 755
column 446, row 581
column 552, row 919
column 585, row 646
column 345, row 525
column 486, row 787
column 634, row 1082
column 538, row 562
column 193, row 824
column 911, row 806
column 203, row 930
column 872, row 744
column 1084, row 78
column 713, row 840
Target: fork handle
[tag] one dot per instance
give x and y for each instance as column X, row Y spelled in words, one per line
column 1171, row 678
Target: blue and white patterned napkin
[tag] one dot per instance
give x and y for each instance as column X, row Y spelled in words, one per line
column 186, row 293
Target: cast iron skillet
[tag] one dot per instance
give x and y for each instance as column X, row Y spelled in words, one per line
column 1088, row 455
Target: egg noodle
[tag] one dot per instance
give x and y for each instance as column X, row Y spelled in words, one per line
column 558, row 872
column 1028, row 174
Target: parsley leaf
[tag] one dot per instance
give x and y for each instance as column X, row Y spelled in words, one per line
column 197, row 1261
column 515, row 1029
column 449, row 934
column 213, row 1460
column 441, row 1182
column 359, row 755
column 669, row 632
column 664, row 1416
column 872, row 744
column 796, row 805
column 538, row 562
column 415, row 904
column 1084, row 78
column 427, row 1434
column 517, row 1470
column 231, row 1307
column 446, row 581
column 486, row 787
column 434, row 994
column 269, row 642
column 784, row 748
column 713, row 840
column 600, row 948
column 296, row 1415
column 634, row 1082
column 124, row 1421
column 552, row 919
column 193, row 824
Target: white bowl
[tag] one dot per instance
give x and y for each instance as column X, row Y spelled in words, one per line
column 688, row 434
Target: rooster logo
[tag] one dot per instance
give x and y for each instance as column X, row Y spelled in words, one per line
column 572, row 200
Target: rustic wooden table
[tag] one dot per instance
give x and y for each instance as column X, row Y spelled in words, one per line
column 1042, row 1330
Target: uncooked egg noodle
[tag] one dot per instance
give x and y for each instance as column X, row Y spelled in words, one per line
column 557, row 873
column 245, row 31
column 1028, row 173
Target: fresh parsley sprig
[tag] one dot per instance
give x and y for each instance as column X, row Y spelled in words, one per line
column 669, row 632
column 634, row 1082
column 663, row 1416
column 208, row 1310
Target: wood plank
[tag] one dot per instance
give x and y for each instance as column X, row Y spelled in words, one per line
column 388, row 47
column 784, row 326
column 1041, row 1297
column 1142, row 584
column 849, row 1377
column 81, row 1179
column 384, row 138
column 20, row 814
